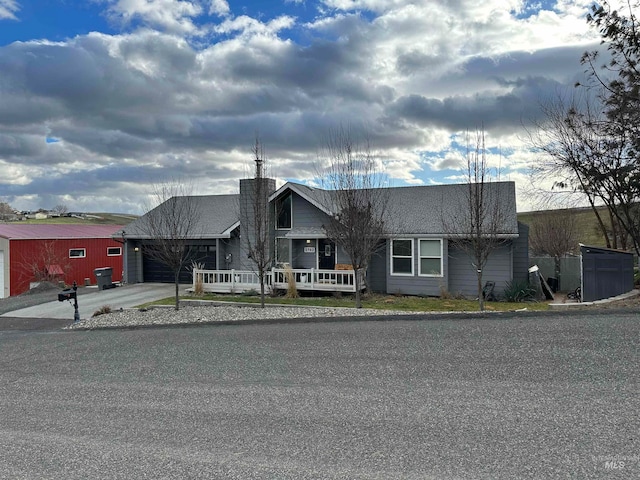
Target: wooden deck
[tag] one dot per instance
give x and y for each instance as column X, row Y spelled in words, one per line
column 238, row 281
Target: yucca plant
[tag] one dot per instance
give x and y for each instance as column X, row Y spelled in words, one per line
column 519, row 291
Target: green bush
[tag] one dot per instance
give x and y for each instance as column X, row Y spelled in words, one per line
column 519, row 291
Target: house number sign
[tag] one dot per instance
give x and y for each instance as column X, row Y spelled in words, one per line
column 309, row 249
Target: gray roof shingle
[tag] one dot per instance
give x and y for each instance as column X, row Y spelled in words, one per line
column 417, row 210
column 216, row 214
column 428, row 210
column 441, row 209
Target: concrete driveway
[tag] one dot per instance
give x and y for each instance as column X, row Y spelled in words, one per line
column 127, row 296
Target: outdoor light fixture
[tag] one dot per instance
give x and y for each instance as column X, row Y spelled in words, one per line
column 136, row 249
column 308, row 241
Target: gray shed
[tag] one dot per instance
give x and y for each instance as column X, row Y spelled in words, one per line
column 605, row 273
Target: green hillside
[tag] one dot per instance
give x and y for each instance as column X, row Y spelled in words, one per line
column 589, row 232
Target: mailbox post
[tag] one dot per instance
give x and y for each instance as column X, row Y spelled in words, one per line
column 71, row 294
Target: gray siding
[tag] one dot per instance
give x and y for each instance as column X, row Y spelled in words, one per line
column 300, row 259
column 462, row 273
column 342, row 257
column 416, row 284
column 377, row 271
column 521, row 261
column 232, row 246
column 305, row 214
column 132, row 262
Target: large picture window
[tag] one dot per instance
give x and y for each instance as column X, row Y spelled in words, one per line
column 430, row 252
column 402, row 257
column 283, row 212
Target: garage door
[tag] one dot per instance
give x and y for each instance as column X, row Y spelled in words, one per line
column 1, row 274
column 157, row 272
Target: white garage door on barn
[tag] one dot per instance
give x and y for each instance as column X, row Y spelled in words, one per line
column 1, row 274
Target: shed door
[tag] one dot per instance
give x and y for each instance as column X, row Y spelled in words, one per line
column 1, row 274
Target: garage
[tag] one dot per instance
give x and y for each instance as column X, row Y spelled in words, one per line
column 157, row 272
column 1, row 274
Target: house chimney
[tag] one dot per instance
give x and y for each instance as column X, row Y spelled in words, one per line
column 259, row 162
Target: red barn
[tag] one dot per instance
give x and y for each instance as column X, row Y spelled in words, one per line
column 33, row 253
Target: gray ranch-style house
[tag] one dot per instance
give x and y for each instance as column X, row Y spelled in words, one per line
column 416, row 257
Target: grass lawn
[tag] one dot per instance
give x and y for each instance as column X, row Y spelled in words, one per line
column 377, row 301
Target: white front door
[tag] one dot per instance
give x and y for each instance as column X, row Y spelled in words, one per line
column 1, row 274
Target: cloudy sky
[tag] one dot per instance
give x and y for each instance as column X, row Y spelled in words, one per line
column 99, row 99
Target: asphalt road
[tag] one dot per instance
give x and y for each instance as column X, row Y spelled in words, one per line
column 549, row 397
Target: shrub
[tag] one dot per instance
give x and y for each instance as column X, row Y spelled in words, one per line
column 444, row 293
column 198, row 288
column 102, row 310
column 292, row 288
column 519, row 291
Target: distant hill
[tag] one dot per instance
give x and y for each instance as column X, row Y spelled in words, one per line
column 589, row 232
column 87, row 218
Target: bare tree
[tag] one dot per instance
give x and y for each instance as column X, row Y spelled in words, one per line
column 587, row 153
column 171, row 226
column 60, row 209
column 554, row 234
column 477, row 229
column 47, row 265
column 592, row 145
column 254, row 200
column 356, row 197
column 6, row 212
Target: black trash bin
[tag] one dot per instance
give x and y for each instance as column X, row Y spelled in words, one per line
column 553, row 284
column 104, row 277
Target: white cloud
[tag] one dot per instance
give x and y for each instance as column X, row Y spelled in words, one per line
column 244, row 25
column 8, row 9
column 219, row 7
column 153, row 103
column 175, row 16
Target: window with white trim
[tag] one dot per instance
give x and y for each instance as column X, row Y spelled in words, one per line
column 402, row 256
column 114, row 251
column 430, row 254
column 77, row 252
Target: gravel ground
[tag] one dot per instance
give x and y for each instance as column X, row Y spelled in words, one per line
column 217, row 313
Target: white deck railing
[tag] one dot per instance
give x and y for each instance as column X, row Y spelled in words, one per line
column 238, row 281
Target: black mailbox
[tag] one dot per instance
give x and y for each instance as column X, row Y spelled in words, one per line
column 67, row 294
